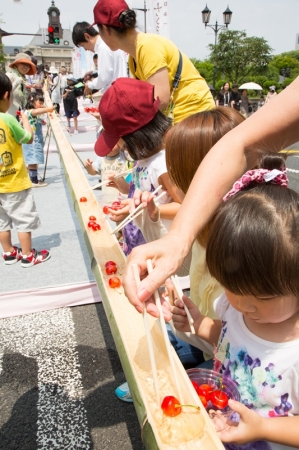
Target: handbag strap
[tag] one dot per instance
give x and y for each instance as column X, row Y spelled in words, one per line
column 178, row 74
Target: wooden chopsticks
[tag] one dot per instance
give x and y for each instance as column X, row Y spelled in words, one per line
column 148, row 338
column 120, row 175
column 180, row 294
column 137, row 211
column 165, row 335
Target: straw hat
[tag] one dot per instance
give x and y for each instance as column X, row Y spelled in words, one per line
column 24, row 58
column 53, row 69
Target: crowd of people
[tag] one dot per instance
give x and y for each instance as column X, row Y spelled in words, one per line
column 227, row 217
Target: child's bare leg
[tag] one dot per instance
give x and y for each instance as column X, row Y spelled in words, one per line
column 25, row 242
column 5, row 240
column 76, row 123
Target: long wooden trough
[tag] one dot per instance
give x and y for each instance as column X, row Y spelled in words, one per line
column 189, row 430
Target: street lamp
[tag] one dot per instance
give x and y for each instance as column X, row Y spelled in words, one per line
column 227, row 17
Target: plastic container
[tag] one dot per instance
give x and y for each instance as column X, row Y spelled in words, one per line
column 221, row 417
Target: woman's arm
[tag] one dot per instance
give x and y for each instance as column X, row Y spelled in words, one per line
column 273, row 127
column 162, row 90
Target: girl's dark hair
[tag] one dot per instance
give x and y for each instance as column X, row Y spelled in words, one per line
column 147, row 141
column 5, row 85
column 127, row 19
column 253, row 248
column 33, row 97
column 188, row 142
column 80, row 28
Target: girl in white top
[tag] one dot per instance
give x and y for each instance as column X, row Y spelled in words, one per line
column 253, row 251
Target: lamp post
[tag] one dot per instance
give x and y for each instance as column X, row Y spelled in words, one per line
column 227, row 16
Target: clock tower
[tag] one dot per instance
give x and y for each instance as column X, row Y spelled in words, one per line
column 54, row 21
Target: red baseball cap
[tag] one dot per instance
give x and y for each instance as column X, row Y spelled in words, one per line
column 107, row 12
column 125, row 107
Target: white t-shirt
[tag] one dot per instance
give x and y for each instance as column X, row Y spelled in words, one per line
column 112, row 65
column 267, row 373
column 146, row 174
column 108, row 166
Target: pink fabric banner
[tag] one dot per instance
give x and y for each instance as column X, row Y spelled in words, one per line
column 36, row 300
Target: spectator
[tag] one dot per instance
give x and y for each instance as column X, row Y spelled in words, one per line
column 113, row 63
column 246, row 108
column 261, row 102
column 55, row 88
column 70, row 104
column 63, row 79
column 271, row 94
column 21, row 66
column 235, row 97
column 224, row 97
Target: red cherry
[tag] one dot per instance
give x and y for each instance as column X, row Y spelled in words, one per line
column 171, row 406
column 83, row 199
column 205, row 390
column 114, row 282
column 91, row 224
column 203, row 400
column 92, row 218
column 87, row 109
column 18, row 113
column 106, row 210
column 110, row 270
column 219, row 399
column 110, row 263
column 195, row 385
column 116, row 203
column 95, row 226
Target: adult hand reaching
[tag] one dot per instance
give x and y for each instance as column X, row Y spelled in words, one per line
column 167, row 255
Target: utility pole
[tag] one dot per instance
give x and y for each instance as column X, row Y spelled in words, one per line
column 5, row 33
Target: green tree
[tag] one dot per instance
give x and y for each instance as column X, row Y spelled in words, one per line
column 238, row 57
column 205, row 68
column 2, row 57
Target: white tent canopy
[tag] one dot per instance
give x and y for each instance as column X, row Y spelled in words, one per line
column 251, row 85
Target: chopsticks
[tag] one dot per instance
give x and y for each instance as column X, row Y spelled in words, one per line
column 165, row 334
column 180, row 294
column 148, row 337
column 120, row 175
column 137, row 211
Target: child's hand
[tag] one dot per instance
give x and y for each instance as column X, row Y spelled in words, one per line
column 120, row 214
column 118, row 183
column 248, row 429
column 51, row 109
column 179, row 316
column 89, row 167
column 147, row 199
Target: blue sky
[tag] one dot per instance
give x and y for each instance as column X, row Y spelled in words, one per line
column 275, row 20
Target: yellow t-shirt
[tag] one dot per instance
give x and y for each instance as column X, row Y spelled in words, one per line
column 154, row 52
column 13, row 172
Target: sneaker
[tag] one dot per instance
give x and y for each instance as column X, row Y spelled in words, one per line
column 123, row 393
column 40, row 183
column 35, row 258
column 76, row 132
column 12, row 257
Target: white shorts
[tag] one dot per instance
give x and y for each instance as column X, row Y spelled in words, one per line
column 18, row 209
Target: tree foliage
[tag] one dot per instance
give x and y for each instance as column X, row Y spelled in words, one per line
column 238, row 56
column 205, row 68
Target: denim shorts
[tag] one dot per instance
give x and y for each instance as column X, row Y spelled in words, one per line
column 70, row 114
column 18, row 209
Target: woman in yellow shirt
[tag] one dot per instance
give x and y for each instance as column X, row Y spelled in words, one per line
column 155, row 59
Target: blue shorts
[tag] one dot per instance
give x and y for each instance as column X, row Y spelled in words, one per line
column 70, row 114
